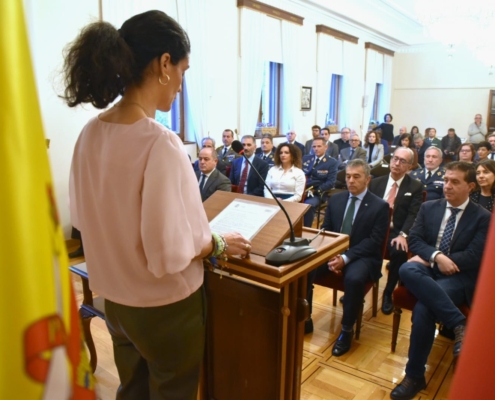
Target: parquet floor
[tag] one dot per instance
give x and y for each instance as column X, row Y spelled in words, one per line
column 368, row 372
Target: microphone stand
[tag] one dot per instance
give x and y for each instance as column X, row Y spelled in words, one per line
column 292, row 249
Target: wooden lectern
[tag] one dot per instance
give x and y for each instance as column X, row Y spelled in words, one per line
column 256, row 312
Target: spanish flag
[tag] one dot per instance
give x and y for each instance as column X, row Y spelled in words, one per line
column 41, row 349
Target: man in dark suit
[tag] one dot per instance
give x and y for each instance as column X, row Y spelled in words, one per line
column 353, row 152
column 364, row 216
column 321, row 172
column 421, row 147
column 209, row 178
column 343, row 142
column 432, row 175
column 210, row 142
column 404, row 195
column 308, row 147
column 225, row 152
column 448, row 239
column 267, row 151
column 402, row 131
column 242, row 174
column 332, row 148
column 291, row 138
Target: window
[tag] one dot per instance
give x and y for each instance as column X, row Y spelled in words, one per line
column 269, row 114
column 376, row 100
column 333, row 112
column 174, row 119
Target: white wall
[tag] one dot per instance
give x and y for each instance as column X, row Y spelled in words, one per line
column 433, row 90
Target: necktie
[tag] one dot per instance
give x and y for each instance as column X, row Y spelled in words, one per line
column 391, row 195
column 264, row 158
column 352, row 153
column 493, row 156
column 448, row 232
column 349, row 215
column 224, row 151
column 202, row 182
column 316, row 163
column 242, row 182
column 428, row 176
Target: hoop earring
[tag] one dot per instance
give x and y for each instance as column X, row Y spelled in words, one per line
column 160, row 80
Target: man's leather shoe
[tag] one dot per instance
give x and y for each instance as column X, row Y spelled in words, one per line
column 408, row 388
column 308, row 326
column 459, row 337
column 341, row 300
column 387, row 305
column 343, row 343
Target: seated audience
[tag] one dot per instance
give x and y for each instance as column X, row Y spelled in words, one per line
column 321, row 173
column 405, row 195
column 343, row 142
column 382, row 141
column 291, row 139
column 414, row 130
column 209, row 178
column 387, row 128
column 364, row 217
column 374, row 150
column 407, row 141
column 353, row 152
column 477, row 131
column 225, row 153
column 450, row 144
column 484, row 150
column 431, row 176
column 420, row 146
column 491, row 140
column 210, row 142
column 431, row 138
column 448, row 239
column 485, row 177
column 402, row 131
column 466, row 153
column 267, row 151
column 248, row 181
column 286, row 179
column 332, row 148
column 316, row 132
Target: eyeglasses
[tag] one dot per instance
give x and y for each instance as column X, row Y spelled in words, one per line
column 354, row 140
column 465, row 151
column 402, row 161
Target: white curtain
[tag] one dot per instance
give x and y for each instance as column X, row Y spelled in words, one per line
column 369, row 86
column 290, row 88
column 251, row 62
column 197, row 98
column 385, row 100
column 347, row 98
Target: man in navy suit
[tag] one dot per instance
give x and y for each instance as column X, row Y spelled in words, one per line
column 448, row 239
column 364, row 216
column 252, row 185
column 321, row 173
column 421, row 146
column 431, row 176
column 404, row 195
column 291, row 138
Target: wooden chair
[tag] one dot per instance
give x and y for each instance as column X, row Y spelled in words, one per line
column 380, row 170
column 336, row 282
column 90, row 308
column 403, row 298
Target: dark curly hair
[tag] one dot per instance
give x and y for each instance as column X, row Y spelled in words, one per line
column 294, row 151
column 102, row 61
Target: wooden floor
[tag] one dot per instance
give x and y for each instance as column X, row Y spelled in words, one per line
column 368, row 371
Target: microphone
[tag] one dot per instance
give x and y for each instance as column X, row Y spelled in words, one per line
column 292, row 249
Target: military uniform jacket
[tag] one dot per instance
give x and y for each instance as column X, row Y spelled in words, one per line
column 321, row 178
column 432, row 186
column 229, row 156
column 269, row 159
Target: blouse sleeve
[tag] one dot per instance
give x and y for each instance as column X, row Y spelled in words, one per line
column 300, row 179
column 174, row 227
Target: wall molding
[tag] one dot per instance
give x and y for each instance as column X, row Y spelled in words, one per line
column 271, row 11
column 380, row 49
column 336, row 34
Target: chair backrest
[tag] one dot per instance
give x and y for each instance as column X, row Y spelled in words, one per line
column 340, row 181
column 303, row 195
column 385, row 240
column 227, row 170
column 235, row 188
column 380, row 170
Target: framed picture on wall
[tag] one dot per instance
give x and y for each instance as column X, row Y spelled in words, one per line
column 306, row 98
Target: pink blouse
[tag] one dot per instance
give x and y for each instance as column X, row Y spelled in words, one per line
column 136, row 201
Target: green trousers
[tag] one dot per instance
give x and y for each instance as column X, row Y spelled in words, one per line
column 158, row 350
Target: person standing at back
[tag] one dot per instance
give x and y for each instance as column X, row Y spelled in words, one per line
column 144, row 227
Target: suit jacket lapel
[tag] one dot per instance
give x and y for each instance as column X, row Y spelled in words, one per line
column 210, row 180
column 404, row 187
column 465, row 220
column 361, row 211
column 436, row 219
column 339, row 213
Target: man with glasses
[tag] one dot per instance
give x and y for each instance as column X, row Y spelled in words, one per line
column 477, row 131
column 404, row 195
column 343, row 142
column 353, row 152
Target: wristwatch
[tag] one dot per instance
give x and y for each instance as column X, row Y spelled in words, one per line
column 403, row 234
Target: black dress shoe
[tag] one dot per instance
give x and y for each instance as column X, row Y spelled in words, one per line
column 343, row 343
column 308, row 326
column 446, row 332
column 408, row 388
column 387, row 305
column 459, row 337
column 78, row 253
column 341, row 300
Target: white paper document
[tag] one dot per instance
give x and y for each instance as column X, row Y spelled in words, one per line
column 243, row 216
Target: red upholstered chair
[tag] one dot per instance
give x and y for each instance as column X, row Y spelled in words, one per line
column 235, row 188
column 336, row 282
column 403, row 298
column 227, row 170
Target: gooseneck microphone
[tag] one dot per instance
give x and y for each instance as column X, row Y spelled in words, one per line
column 292, row 249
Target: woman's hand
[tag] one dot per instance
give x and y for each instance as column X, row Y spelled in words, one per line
column 238, row 245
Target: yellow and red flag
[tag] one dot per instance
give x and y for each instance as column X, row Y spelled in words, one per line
column 41, row 348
